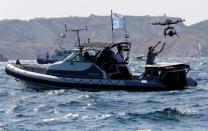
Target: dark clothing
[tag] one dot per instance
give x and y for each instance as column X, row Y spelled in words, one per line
column 17, row 62
column 107, row 61
column 106, row 57
column 151, row 58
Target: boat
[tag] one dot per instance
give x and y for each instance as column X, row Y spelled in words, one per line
column 94, row 67
column 58, row 54
column 140, row 58
column 2, row 58
column 100, row 71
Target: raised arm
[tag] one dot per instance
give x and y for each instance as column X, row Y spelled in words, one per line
column 153, row 48
column 161, row 49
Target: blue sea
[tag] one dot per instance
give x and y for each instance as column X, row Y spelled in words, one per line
column 24, row 109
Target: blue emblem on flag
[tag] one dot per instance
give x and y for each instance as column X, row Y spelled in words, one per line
column 118, row 21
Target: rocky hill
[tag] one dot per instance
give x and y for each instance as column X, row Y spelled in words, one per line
column 26, row 39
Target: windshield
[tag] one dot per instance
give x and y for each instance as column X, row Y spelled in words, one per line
column 76, row 57
column 72, row 57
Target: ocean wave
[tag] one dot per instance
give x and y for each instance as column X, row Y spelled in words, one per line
column 62, row 119
column 70, row 104
column 51, row 92
column 104, row 116
column 167, row 114
column 172, row 114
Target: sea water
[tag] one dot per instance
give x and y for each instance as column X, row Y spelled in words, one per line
column 67, row 110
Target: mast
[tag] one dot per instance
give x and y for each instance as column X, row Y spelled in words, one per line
column 78, row 38
column 125, row 32
column 112, row 26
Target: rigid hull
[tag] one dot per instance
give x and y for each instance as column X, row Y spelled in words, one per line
column 47, row 82
column 93, row 69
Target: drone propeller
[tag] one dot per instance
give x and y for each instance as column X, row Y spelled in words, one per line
column 168, row 22
column 169, row 30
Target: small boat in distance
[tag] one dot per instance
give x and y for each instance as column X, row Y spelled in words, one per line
column 141, row 58
column 58, row 54
column 2, row 58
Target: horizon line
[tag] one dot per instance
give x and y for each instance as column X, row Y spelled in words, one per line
column 58, row 17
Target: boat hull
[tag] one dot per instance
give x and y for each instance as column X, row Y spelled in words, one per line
column 48, row 82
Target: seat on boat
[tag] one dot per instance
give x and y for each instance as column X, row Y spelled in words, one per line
column 114, row 70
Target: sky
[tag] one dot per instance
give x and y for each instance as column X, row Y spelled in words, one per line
column 192, row 11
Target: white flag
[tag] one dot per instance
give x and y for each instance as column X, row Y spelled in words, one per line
column 118, row 21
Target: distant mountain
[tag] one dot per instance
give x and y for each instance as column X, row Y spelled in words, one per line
column 26, row 39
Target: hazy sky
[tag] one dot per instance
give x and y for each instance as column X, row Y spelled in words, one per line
column 191, row 10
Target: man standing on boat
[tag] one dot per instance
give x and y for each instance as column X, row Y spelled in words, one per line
column 120, row 56
column 151, row 54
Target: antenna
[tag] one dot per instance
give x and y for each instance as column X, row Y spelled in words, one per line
column 126, row 37
column 78, row 38
column 86, row 26
column 65, row 27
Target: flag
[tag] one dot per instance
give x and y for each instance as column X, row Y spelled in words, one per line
column 118, row 21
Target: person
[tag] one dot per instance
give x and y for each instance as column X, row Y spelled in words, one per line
column 120, row 56
column 151, row 54
column 86, row 57
column 47, row 55
column 106, row 60
column 122, row 70
column 17, row 62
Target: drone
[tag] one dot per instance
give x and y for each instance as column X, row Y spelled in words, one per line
column 170, row 30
